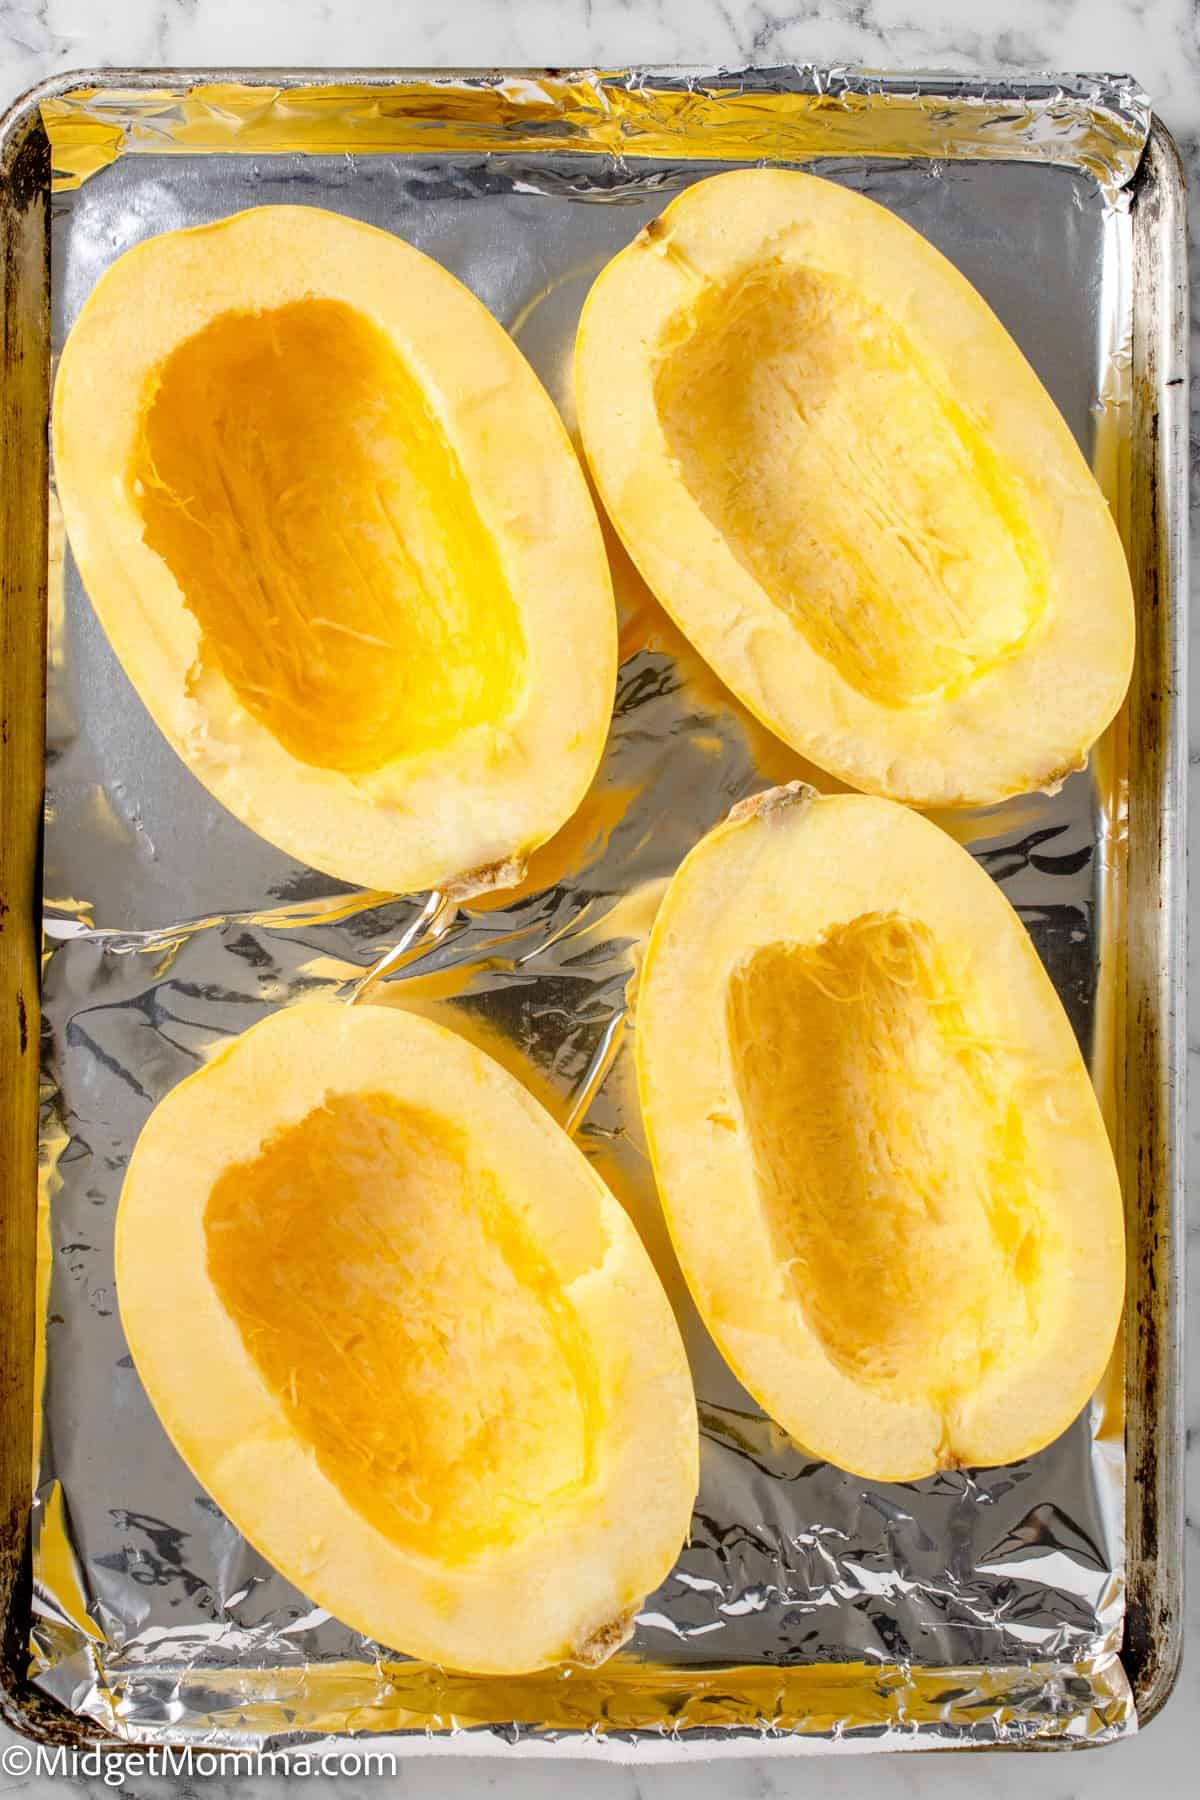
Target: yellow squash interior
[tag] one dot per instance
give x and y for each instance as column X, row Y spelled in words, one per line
column 403, row 1315
column 293, row 477
column 890, row 1156
column 847, row 480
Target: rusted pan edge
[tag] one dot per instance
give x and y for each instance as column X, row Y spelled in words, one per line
column 1155, row 1078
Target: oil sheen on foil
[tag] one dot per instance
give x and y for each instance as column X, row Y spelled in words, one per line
column 810, row 1608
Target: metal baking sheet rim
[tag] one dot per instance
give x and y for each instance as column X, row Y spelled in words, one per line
column 1164, row 562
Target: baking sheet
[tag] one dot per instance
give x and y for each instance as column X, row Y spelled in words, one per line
column 970, row 1606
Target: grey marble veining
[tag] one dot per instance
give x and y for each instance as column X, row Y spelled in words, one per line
column 1159, row 41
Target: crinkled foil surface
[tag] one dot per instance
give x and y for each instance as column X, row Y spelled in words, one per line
column 811, row 1608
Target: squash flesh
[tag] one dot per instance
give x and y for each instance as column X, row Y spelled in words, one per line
column 882, row 1161
column 338, row 538
column 293, row 479
column 447, row 1393
column 892, row 1163
column 398, row 1327
column 844, row 482
column 848, row 482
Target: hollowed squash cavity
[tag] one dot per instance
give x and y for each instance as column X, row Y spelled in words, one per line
column 293, row 478
column 883, row 1166
column 448, row 1397
column 842, row 479
column 404, row 1335
column 890, row 1158
column 860, row 495
column 338, row 538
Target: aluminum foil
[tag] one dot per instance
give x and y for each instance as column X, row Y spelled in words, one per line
column 810, row 1608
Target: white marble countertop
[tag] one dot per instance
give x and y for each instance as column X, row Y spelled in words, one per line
column 1156, row 40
